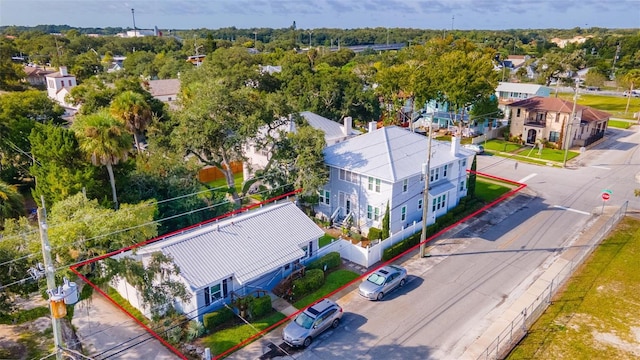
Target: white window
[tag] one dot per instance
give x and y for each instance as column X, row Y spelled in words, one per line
column 405, row 185
column 444, row 171
column 420, row 204
column 369, row 212
column 215, row 292
column 325, row 196
column 376, row 214
column 461, row 185
column 432, row 173
column 378, row 185
column 464, row 163
column 370, row 183
column 403, row 213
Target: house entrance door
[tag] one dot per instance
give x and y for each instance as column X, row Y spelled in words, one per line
column 347, row 206
column 531, row 136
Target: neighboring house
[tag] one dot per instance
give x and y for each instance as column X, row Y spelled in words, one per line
column 508, row 92
column 36, row 75
column 165, row 90
column 334, row 132
column 196, row 59
column 116, row 64
column 385, row 165
column 541, row 118
column 270, row 69
column 59, row 85
column 251, row 251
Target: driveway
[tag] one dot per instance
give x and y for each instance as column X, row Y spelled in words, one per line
column 106, row 332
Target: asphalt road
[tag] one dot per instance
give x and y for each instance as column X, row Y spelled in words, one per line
column 439, row 313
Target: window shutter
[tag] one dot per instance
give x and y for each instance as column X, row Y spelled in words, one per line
column 207, row 297
column 224, row 288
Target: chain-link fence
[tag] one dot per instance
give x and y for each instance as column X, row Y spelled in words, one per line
column 512, row 334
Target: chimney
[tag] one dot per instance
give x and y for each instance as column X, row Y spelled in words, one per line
column 373, row 126
column 63, row 71
column 292, row 124
column 348, row 122
column 455, row 145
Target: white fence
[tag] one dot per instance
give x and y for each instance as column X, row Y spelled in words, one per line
column 367, row 256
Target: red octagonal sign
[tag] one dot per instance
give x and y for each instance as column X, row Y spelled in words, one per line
column 605, row 196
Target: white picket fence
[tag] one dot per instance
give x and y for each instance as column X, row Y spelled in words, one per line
column 367, row 256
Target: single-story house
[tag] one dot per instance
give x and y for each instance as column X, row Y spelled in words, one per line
column 252, row 250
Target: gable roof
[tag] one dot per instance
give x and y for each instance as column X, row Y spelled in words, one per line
column 519, row 88
column 35, row 71
column 390, row 153
column 561, row 105
column 245, row 246
column 164, row 87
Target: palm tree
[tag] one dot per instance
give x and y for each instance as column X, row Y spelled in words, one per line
column 133, row 111
column 11, row 204
column 106, row 142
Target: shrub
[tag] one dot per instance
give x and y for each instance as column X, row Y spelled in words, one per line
column 374, row 234
column 332, row 260
column 259, row 307
column 313, row 279
column 216, row 318
column 195, row 329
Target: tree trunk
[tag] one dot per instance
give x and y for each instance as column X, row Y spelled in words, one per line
column 228, row 175
column 113, row 186
column 137, row 140
column 628, row 98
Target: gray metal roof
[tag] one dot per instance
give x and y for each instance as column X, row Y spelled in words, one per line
column 331, row 129
column 519, row 88
column 390, row 153
column 245, row 246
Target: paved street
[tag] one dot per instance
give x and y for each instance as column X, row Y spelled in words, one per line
column 475, row 276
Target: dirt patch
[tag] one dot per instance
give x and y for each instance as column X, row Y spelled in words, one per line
column 611, row 339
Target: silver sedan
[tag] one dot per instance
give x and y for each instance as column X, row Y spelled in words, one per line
column 382, row 281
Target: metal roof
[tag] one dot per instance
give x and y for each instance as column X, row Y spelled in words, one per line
column 245, row 246
column 519, row 88
column 331, row 129
column 390, row 153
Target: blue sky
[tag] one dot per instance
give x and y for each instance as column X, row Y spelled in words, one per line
column 310, row 14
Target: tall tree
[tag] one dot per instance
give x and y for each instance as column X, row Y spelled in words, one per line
column 59, row 168
column 10, row 72
column 134, row 112
column 471, row 186
column 385, row 223
column 105, row 141
column 631, row 80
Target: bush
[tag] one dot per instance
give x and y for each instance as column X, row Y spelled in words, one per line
column 216, row 318
column 313, row 279
column 195, row 329
column 259, row 307
column 374, row 233
column 332, row 260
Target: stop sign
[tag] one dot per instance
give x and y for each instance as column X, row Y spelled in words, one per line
column 606, row 196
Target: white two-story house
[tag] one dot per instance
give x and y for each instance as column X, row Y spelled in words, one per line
column 386, row 165
column 59, row 85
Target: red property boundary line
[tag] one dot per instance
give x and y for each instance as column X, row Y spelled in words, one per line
column 508, row 194
column 74, row 267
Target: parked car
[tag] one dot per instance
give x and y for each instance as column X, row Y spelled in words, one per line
column 634, row 93
column 312, row 322
column 479, row 149
column 383, row 280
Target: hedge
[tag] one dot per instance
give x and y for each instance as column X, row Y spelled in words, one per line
column 313, row 279
column 259, row 307
column 374, row 233
column 216, row 318
column 332, row 260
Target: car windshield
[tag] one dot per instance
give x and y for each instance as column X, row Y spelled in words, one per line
column 304, row 320
column 376, row 279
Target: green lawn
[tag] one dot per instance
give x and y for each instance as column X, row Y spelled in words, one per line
column 597, row 314
column 333, row 281
column 325, row 240
column 615, row 105
column 489, row 190
column 500, row 145
column 620, row 124
column 547, row 154
column 222, row 183
column 225, row 339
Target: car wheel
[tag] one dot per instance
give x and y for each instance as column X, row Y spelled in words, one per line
column 335, row 323
column 380, row 296
column 307, row 341
column 402, row 282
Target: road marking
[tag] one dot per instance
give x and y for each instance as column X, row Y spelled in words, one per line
column 527, row 178
column 570, row 209
column 600, row 167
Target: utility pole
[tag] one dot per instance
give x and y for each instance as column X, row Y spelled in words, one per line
column 425, row 193
column 310, row 32
column 255, row 39
column 568, row 134
column 50, row 274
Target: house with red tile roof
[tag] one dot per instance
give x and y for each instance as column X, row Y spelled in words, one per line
column 550, row 119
